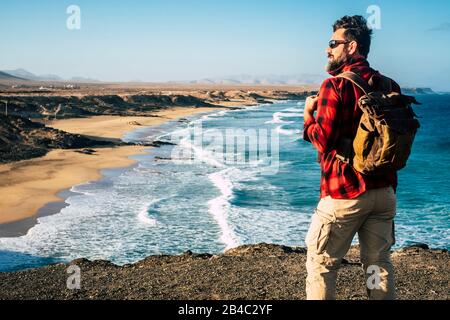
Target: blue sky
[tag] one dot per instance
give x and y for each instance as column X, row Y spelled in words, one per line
column 193, row 39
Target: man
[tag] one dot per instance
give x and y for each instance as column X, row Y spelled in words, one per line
column 350, row 201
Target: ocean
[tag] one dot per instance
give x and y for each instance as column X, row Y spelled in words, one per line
column 233, row 177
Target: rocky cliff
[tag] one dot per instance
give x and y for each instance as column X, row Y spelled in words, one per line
column 52, row 107
column 48, row 106
column 249, row 272
column 21, row 139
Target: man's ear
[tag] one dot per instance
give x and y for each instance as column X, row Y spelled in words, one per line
column 352, row 48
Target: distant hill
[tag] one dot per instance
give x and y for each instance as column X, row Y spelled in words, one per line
column 271, row 79
column 244, row 79
column 82, row 79
column 24, row 74
column 8, row 76
column 50, row 77
column 417, row 91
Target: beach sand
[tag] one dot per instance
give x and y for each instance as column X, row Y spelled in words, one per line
column 29, row 185
column 116, row 126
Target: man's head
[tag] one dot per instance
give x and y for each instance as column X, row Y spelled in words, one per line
column 352, row 40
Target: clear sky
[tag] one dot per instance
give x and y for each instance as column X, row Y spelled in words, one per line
column 162, row 40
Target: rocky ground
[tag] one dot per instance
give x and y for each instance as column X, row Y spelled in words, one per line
column 65, row 107
column 51, row 106
column 21, row 139
column 248, row 272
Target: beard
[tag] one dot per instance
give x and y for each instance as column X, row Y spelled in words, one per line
column 336, row 63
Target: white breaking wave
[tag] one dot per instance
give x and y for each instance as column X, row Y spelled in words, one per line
column 174, row 134
column 213, row 116
column 209, row 116
column 220, row 206
column 144, row 217
column 224, row 185
column 287, row 132
column 294, row 110
column 277, row 118
column 81, row 189
column 292, row 115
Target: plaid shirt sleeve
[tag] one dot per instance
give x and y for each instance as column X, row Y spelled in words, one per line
column 322, row 133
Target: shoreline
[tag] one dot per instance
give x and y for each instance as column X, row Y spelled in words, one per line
column 40, row 186
column 21, row 227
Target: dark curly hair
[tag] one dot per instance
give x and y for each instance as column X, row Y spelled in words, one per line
column 356, row 29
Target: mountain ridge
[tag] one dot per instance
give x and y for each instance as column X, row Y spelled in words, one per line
column 8, row 76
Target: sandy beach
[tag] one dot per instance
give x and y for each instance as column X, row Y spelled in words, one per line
column 31, row 184
column 115, row 127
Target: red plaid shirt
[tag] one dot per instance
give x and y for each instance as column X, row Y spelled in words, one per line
column 338, row 117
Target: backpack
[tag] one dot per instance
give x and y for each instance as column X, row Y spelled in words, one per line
column 386, row 131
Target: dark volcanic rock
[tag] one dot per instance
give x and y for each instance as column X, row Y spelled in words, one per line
column 21, row 139
column 159, row 143
column 248, row 272
column 86, row 151
column 418, row 245
column 62, row 107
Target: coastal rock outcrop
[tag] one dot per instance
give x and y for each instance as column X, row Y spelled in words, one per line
column 63, row 107
column 257, row 272
column 21, row 139
column 52, row 106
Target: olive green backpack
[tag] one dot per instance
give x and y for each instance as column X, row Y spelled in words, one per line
column 385, row 132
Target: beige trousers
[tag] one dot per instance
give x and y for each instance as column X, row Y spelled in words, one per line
column 333, row 227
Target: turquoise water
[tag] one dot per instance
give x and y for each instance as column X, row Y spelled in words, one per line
column 424, row 187
column 205, row 196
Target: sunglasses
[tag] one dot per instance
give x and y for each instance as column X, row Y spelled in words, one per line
column 334, row 43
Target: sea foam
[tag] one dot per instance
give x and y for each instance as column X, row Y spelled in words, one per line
column 220, row 206
column 144, row 217
column 287, row 132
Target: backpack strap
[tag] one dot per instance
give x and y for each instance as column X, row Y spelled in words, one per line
column 344, row 151
column 356, row 80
